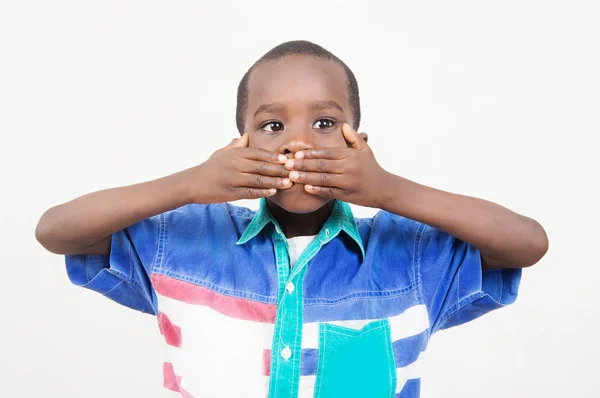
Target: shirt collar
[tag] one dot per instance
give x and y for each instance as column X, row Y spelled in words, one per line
column 340, row 219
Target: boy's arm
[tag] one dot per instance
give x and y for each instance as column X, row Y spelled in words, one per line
column 504, row 238
column 85, row 225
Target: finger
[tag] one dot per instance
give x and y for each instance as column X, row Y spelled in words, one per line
column 261, row 181
column 353, row 138
column 323, row 153
column 254, row 193
column 264, row 168
column 315, row 165
column 262, row 155
column 239, row 142
column 327, row 192
column 320, row 179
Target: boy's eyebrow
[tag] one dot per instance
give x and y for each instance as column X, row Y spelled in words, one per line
column 269, row 108
column 274, row 107
column 326, row 105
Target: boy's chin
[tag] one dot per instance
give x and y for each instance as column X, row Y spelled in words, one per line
column 297, row 200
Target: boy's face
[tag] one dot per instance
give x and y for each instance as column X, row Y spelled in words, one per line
column 295, row 103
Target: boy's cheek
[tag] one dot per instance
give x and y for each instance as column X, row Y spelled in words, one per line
column 337, row 140
column 255, row 142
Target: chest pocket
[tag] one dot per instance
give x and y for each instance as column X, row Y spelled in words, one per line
column 355, row 363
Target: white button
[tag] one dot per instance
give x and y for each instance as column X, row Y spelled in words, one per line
column 286, row 353
column 290, row 287
column 327, row 233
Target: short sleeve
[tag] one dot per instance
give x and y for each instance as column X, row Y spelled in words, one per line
column 124, row 275
column 454, row 287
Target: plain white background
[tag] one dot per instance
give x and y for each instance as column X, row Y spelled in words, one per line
column 495, row 99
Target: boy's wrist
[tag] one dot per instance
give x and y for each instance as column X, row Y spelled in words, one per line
column 183, row 187
column 396, row 194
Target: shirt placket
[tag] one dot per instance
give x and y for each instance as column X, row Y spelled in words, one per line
column 287, row 337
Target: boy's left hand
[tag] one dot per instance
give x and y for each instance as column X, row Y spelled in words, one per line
column 349, row 174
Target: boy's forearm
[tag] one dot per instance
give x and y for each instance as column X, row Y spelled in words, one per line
column 504, row 238
column 84, row 225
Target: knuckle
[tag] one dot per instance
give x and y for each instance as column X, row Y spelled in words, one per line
column 330, row 191
column 262, row 167
column 325, row 178
column 282, row 171
column 251, row 192
column 258, row 179
column 321, row 165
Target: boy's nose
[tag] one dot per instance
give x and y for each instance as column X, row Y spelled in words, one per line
column 298, row 142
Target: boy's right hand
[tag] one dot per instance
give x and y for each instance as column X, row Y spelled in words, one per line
column 237, row 172
column 85, row 225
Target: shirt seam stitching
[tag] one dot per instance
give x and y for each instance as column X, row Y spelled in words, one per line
column 454, row 309
column 160, row 247
column 417, row 249
column 220, row 290
column 363, row 295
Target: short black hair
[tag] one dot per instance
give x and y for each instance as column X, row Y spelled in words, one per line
column 297, row 47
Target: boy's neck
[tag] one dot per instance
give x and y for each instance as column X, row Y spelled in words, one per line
column 296, row 224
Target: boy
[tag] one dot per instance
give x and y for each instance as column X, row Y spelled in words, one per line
column 298, row 299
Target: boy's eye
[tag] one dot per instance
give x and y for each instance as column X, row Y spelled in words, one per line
column 323, row 124
column 272, row 126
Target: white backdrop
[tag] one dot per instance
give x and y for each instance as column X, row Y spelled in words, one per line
column 495, row 99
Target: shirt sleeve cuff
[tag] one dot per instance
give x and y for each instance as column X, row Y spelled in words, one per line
column 499, row 288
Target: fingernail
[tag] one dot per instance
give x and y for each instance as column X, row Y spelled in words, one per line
column 309, row 187
column 289, row 163
column 299, row 155
column 286, row 181
column 294, row 175
column 282, row 158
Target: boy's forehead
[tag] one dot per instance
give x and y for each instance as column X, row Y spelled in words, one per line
column 297, row 79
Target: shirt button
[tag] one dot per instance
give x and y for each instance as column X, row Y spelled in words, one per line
column 290, row 287
column 286, row 353
column 327, row 233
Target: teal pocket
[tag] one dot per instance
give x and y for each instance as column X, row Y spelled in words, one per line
column 355, row 363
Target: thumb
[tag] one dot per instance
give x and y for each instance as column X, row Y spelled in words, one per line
column 352, row 137
column 239, row 142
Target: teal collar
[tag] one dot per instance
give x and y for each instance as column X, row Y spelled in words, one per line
column 340, row 219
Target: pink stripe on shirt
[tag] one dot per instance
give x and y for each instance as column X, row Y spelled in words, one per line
column 234, row 307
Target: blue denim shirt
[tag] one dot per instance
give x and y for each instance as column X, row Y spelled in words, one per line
column 352, row 318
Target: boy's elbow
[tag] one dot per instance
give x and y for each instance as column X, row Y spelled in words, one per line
column 46, row 234
column 539, row 244
column 43, row 234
